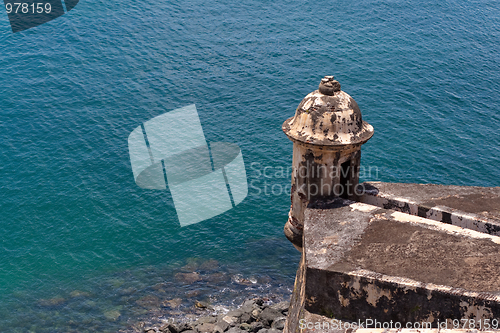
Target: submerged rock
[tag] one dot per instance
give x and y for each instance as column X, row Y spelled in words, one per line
column 244, row 281
column 209, row 265
column 192, row 293
column 127, row 291
column 192, row 264
column 188, row 277
column 51, row 302
column 148, row 302
column 112, row 315
column 218, row 277
column 173, row 303
column 78, row 293
column 116, row 282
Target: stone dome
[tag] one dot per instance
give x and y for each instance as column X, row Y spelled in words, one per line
column 328, row 117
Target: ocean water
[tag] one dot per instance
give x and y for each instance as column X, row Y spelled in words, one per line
column 83, row 249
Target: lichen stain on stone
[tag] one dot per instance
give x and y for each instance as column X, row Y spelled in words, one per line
column 375, row 294
column 311, row 300
column 344, row 301
column 474, row 311
column 397, row 205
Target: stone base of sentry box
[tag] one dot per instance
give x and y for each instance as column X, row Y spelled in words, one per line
column 361, row 262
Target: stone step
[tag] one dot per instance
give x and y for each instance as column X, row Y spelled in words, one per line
column 472, row 207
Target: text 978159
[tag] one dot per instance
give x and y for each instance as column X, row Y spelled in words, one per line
column 27, row 8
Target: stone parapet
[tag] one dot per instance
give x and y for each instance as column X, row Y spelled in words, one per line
column 365, row 262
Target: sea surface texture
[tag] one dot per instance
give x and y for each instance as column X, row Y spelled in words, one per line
column 84, row 249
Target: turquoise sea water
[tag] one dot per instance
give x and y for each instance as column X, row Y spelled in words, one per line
column 82, row 245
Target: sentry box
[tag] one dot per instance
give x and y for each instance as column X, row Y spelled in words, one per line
column 327, row 132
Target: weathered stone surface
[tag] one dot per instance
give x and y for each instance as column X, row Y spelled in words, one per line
column 246, row 318
column 273, row 330
column 255, row 313
column 205, row 328
column 246, row 327
column 235, row 313
column 281, row 306
column 185, row 327
column 328, row 119
column 256, row 326
column 278, row 323
column 172, row 328
column 190, row 331
column 235, row 330
column 268, row 315
column 361, row 261
column 249, row 304
column 471, row 207
column 220, row 326
column 230, row 319
column 206, row 319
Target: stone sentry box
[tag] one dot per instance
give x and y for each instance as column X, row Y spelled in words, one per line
column 327, row 133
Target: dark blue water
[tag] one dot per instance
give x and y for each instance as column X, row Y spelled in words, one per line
column 82, row 247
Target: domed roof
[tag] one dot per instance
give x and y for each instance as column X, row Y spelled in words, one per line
column 328, row 117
